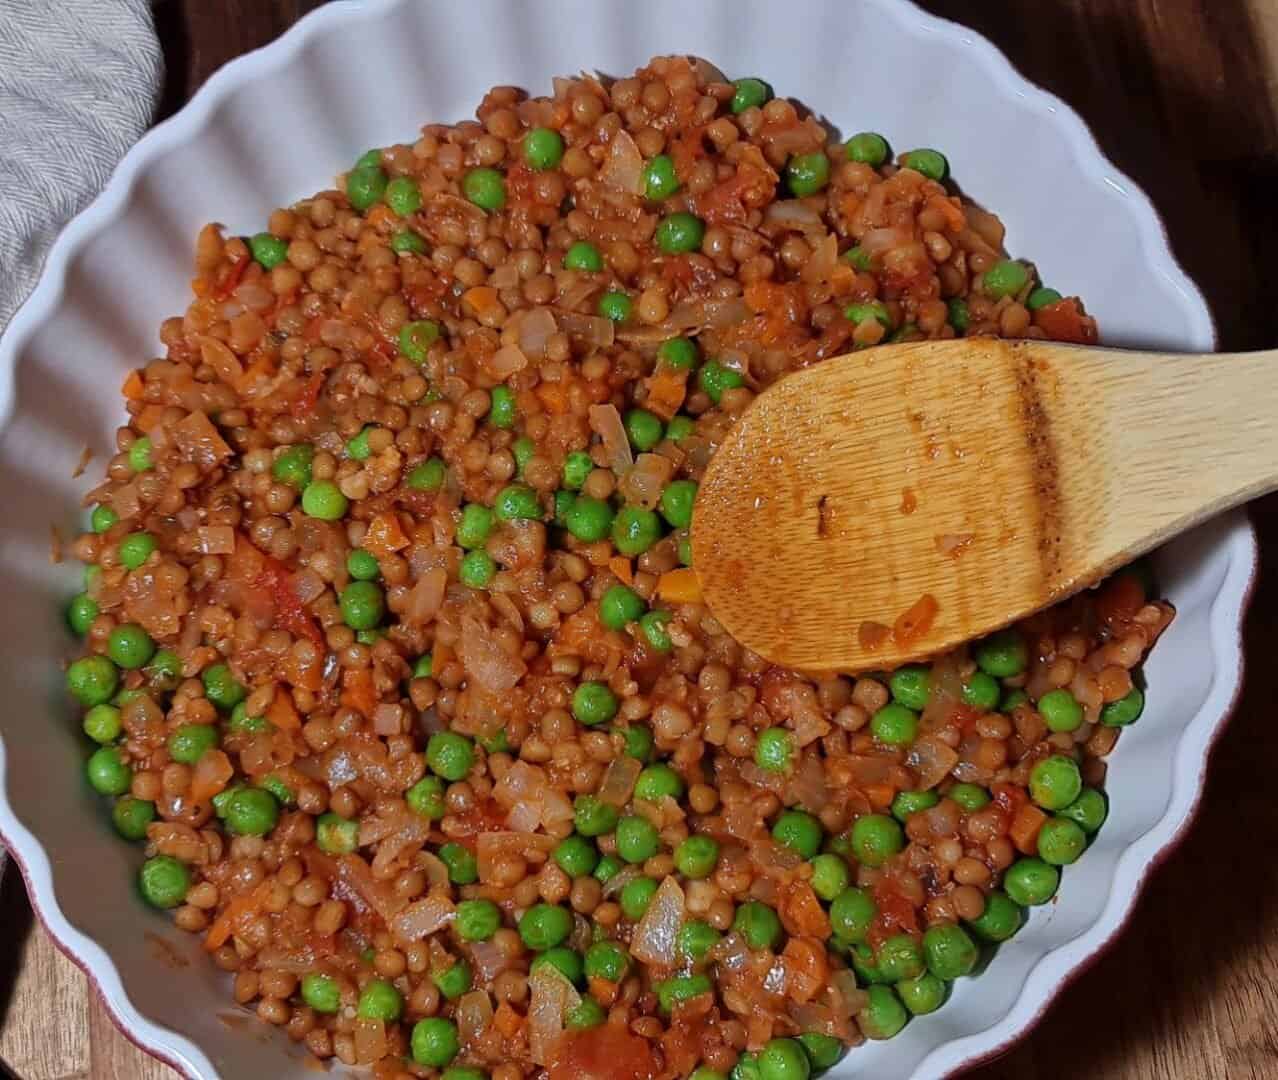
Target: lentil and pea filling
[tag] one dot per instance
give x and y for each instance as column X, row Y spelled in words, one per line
column 398, row 670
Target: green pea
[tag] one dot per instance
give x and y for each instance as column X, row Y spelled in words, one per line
column 644, row 429
column 416, row 338
column 283, row 793
column 434, row 1041
column 931, row 163
column 852, row 913
column 522, row 450
column 774, row 749
column 1089, row 810
column 252, row 812
column 981, row 691
column 867, row 147
column 131, row 817
column 659, row 179
column 746, row 1068
column 1061, row 841
column 681, row 988
column 1042, row 297
column 911, row 685
column 140, row 455
column 587, row 1013
column 324, row 500
column 589, row 519
column 357, row 448
column 656, row 782
column 593, row 817
column 950, row 952
column 1060, row 710
column 906, row 803
column 749, row 94
column 999, row 921
column 576, row 855
column 1055, row 782
column 830, row 876
column 637, row 839
column 1007, row 277
column 616, row 306
column 680, row 233
column 876, row 838
column 824, row 1051
column 1126, row 710
column 900, row 957
column 241, row 721
column 1030, row 882
column 635, row 530
column 463, row 1072
column 543, row 149
column 606, row 960
column 92, row 680
column 653, row 626
column 129, row 646
column 883, row 1015
column 857, row 258
column 136, row 548
column 784, row 1059
column 363, row 605
column 496, row 743
column 636, row 896
column 563, row 504
column 922, row 995
column 677, row 501
column 958, row 314
column 871, row 309
column 407, row 242
column 164, row 882
column 714, row 379
column 970, row 797
column 799, row 831
column 362, row 565
column 463, row 869
column 107, row 772
column 679, row 353
column 808, row 174
column 517, row 502
column 501, row 412
column 758, row 924
column 639, row 740
column 477, row 920
column 268, row 250
column 102, row 518
column 583, row 256
column 477, row 569
column 424, row 668
column 695, row 939
column 292, row 466
column 449, row 755
column 895, row 725
column 619, row 606
column 321, row 992
column 102, row 724
column 453, row 981
column 594, row 703
column 190, row 742
column 685, row 550
column 336, row 835
column 1003, row 654
column 365, row 186
column 475, row 526
column 704, row 1072
column 577, row 466
column 403, row 196
column 165, row 669
column 81, row 612
column 485, row 187
column 379, row 1000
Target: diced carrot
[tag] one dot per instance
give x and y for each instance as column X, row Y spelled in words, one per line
column 1065, row 321
column 806, row 969
column 850, row 204
column 801, row 912
column 132, row 388
column 224, row 926
column 680, row 586
column 880, row 795
column 1025, row 828
column 385, row 535
column 211, row 775
column 554, row 397
column 620, row 566
column 481, row 298
column 666, row 390
column 507, row 1021
column 148, row 417
column 358, row 691
column 282, row 712
column 955, row 221
column 379, row 214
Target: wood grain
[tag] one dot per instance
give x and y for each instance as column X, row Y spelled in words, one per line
column 1183, row 96
column 876, row 467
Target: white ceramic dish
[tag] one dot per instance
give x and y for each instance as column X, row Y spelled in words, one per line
column 279, row 124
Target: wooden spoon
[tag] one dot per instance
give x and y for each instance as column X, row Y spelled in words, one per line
column 890, row 504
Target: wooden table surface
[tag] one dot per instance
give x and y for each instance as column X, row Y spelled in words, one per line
column 1183, row 96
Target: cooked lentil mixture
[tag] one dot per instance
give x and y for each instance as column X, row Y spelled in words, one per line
column 395, row 664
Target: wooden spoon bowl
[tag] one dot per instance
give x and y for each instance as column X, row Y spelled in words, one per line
column 889, row 504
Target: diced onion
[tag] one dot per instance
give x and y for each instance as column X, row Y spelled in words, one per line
column 654, row 938
column 605, row 422
column 550, row 998
column 422, row 917
column 619, row 780
column 474, row 1014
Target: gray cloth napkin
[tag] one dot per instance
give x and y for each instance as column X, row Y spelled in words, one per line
column 79, row 81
